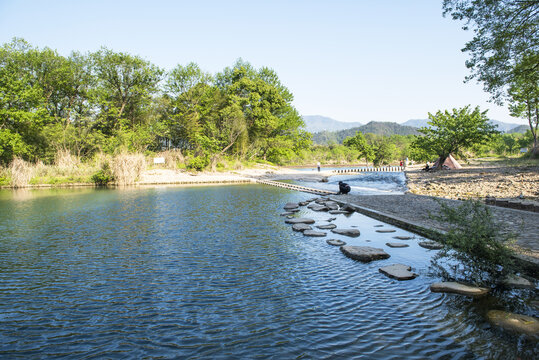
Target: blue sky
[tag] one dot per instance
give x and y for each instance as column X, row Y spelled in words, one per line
column 362, row 60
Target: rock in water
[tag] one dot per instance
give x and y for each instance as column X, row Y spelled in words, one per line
column 332, row 205
column 397, row 245
column 301, row 227
column 327, row 227
column 314, row 233
column 303, row 203
column 514, row 281
column 457, row 288
column 335, row 242
column 398, row 271
column 287, row 213
column 431, row 245
column 385, row 231
column 364, row 253
column 317, row 207
column 347, row 232
column 299, row 220
column 403, row 237
column 521, row 324
column 337, row 212
column 290, row 205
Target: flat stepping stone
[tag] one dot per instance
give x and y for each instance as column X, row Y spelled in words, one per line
column 514, row 281
column 397, row 245
column 364, row 253
column 336, row 242
column 521, row 324
column 301, row 227
column 303, row 203
column 287, row 213
column 347, row 232
column 386, row 230
column 314, row 233
column 327, row 227
column 337, row 212
column 431, row 245
column 398, row 271
column 332, row 205
column 331, row 219
column 378, row 225
column 316, row 207
column 291, row 205
column 403, row 237
column 290, row 216
column 348, row 208
column 299, row 220
column 458, row 288
column 293, row 210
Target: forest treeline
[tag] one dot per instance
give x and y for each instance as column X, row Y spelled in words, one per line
column 105, row 101
column 109, row 102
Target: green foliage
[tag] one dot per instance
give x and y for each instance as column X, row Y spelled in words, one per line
column 474, row 249
column 198, row 163
column 453, row 132
column 103, row 176
column 359, row 143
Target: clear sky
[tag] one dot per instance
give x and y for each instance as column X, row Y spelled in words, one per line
column 351, row 60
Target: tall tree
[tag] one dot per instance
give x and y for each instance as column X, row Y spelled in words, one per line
column 359, row 143
column 453, row 132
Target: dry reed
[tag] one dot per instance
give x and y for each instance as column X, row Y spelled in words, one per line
column 65, row 161
column 126, row 168
column 172, row 158
column 21, row 172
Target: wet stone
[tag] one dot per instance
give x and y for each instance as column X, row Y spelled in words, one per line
column 290, row 216
column 364, row 253
column 378, row 225
column 521, row 324
column 293, row 210
column 303, row 203
column 287, row 213
column 397, row 245
column 336, row 242
column 431, row 245
column 458, row 288
column 347, row 232
column 316, row 207
column 314, row 233
column 386, row 231
column 327, row 227
column 291, row 205
column 299, row 220
column 337, row 212
column 331, row 219
column 398, row 271
column 514, row 281
column 332, row 205
column 301, row 227
column 403, row 237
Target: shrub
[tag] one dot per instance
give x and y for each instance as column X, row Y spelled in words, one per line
column 126, row 168
column 65, row 161
column 103, row 176
column 474, row 249
column 21, row 172
column 198, row 163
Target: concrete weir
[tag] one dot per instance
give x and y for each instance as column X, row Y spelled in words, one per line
column 296, row 187
column 370, row 169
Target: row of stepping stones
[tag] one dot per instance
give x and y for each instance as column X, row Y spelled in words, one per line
column 513, row 322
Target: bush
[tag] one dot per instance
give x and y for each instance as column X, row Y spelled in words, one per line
column 198, row 163
column 21, row 172
column 474, row 249
column 103, row 176
column 126, row 168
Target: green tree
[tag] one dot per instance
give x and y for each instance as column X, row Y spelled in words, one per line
column 359, row 143
column 453, row 132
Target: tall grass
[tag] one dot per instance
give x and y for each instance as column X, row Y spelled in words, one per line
column 126, row 168
column 21, row 172
column 65, row 161
column 173, row 158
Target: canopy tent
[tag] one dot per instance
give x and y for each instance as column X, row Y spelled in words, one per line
column 450, row 162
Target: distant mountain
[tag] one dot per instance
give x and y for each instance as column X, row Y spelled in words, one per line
column 418, row 123
column 501, row 126
column 375, row 127
column 317, row 123
column 519, row 129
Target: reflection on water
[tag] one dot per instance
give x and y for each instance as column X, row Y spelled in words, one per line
column 214, row 272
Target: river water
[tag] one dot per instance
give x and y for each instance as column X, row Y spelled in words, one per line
column 215, row 273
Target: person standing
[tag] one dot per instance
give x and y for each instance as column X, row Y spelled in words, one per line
column 318, row 165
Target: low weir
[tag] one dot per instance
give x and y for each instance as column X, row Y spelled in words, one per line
column 370, row 169
column 296, row 187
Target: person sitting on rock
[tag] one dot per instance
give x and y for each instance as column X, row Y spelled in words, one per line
column 344, row 188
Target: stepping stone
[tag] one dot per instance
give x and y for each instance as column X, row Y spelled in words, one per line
column 332, row 205
column 378, row 225
column 521, row 324
column 293, row 210
column 335, row 242
column 346, row 232
column 291, row 205
column 299, row 220
column 327, row 227
column 398, row 271
column 337, row 212
column 386, row 230
column 348, row 208
column 354, row 226
column 316, row 207
column 368, row 240
column 364, row 253
column 403, row 237
column 331, row 219
column 514, row 281
column 457, row 288
column 314, row 233
column 290, row 216
column 397, row 245
column 301, row 227
column 303, row 203
column 287, row 213
column 431, row 245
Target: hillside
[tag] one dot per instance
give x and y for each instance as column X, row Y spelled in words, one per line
column 374, row 127
column 519, row 129
column 317, row 123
